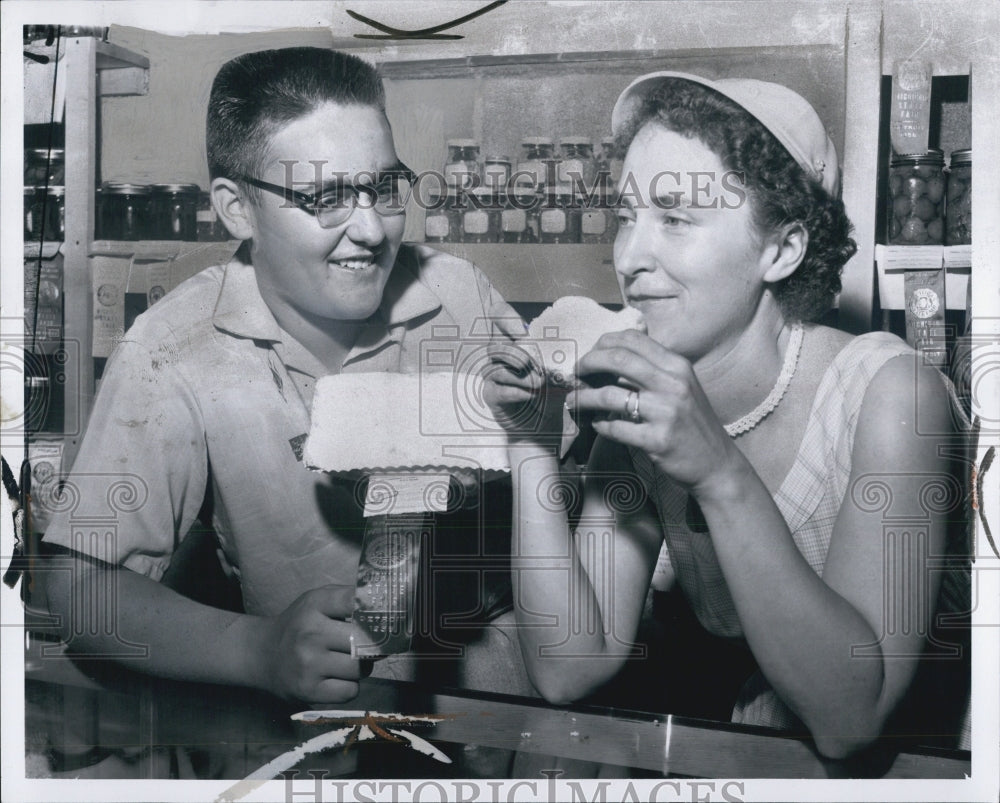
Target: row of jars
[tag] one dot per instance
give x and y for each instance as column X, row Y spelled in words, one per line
column 520, row 215
column 539, row 167
column 127, row 212
column 928, row 205
column 44, row 213
column 44, row 167
column 44, row 194
column 157, row 212
column 168, row 212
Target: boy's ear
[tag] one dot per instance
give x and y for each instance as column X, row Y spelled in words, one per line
column 787, row 249
column 231, row 207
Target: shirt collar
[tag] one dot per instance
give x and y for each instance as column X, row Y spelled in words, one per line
column 240, row 308
column 406, row 297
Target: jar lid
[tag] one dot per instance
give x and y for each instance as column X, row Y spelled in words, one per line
column 57, row 189
column 43, row 154
column 536, row 141
column 122, row 188
column 505, row 159
column 482, row 192
column 86, row 30
column 934, row 156
column 462, row 143
column 961, row 157
column 174, row 188
column 575, row 140
column 450, row 196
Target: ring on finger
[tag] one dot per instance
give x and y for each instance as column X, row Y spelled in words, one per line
column 632, row 409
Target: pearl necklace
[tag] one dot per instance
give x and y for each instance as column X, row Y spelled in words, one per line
column 766, row 407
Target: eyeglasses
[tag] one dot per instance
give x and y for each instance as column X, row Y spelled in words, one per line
column 334, row 203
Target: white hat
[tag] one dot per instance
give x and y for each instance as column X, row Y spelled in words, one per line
column 786, row 114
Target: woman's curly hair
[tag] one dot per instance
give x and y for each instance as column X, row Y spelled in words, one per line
column 779, row 190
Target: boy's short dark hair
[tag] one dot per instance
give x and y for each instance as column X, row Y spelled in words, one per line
column 255, row 94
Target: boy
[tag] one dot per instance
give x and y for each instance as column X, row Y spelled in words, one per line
column 204, row 400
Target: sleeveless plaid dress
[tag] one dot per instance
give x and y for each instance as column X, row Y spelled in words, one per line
column 809, row 499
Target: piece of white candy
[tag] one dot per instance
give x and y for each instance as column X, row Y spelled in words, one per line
column 570, row 328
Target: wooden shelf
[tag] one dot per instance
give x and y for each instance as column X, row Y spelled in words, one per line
column 115, row 57
column 48, row 249
column 166, row 249
column 614, row 60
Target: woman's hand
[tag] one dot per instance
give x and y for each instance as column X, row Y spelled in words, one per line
column 658, row 406
column 523, row 402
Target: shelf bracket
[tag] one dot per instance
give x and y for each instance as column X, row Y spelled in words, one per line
column 123, row 81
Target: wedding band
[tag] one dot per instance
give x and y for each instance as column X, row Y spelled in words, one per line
column 630, row 411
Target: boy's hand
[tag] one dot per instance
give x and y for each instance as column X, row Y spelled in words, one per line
column 307, row 648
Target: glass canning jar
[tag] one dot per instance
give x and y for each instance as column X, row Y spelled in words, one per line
column 44, row 214
column 916, row 198
column 519, row 216
column 43, row 166
column 496, row 173
column 609, row 161
column 537, row 160
column 958, row 215
column 462, row 170
column 55, row 210
column 598, row 219
column 576, row 164
column 442, row 219
column 559, row 219
column 34, row 205
column 481, row 217
column 124, row 211
column 174, row 211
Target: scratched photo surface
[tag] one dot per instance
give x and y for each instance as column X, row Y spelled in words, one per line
column 378, row 611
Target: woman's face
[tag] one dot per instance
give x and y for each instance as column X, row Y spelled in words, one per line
column 687, row 252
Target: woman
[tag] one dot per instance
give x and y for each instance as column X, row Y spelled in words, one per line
column 753, row 433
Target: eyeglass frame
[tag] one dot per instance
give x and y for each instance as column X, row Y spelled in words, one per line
column 310, row 202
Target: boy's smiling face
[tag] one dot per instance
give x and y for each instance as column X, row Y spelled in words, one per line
column 337, row 273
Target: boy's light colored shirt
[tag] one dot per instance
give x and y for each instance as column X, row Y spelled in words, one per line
column 206, row 392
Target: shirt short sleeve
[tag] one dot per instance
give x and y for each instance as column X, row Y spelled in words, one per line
column 139, row 479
